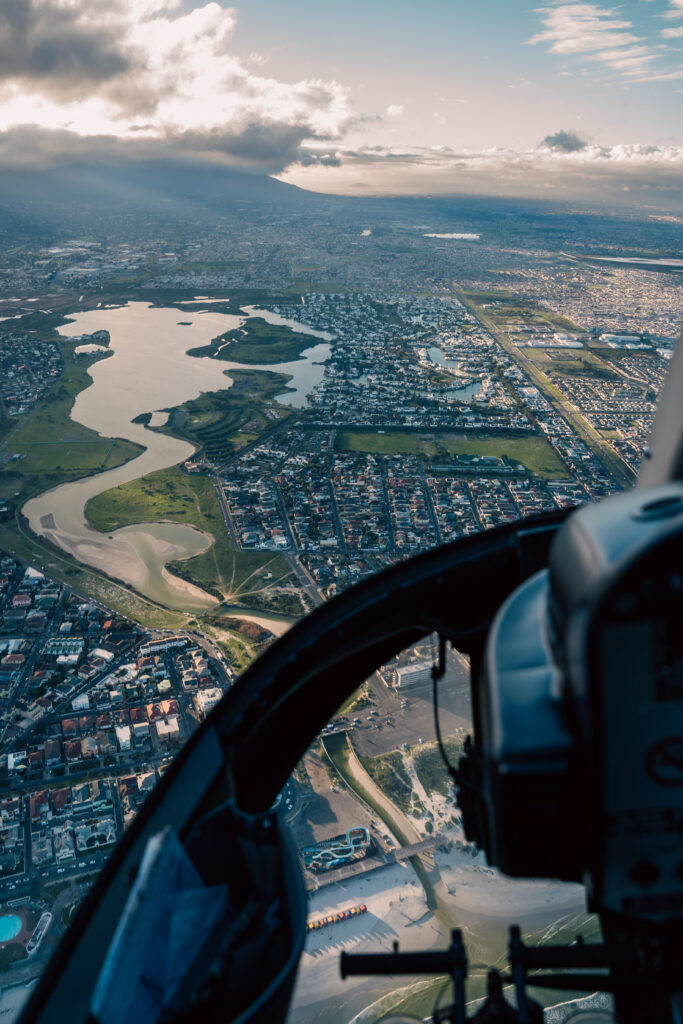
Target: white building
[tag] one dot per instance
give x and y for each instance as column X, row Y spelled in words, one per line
column 168, row 730
column 413, row 675
column 123, row 736
column 205, row 700
column 81, row 703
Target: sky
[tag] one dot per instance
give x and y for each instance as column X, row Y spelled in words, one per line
column 363, row 97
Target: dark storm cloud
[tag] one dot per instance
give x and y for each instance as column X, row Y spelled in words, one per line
column 50, row 46
column 267, row 145
column 265, row 148
column 564, row 142
column 165, row 82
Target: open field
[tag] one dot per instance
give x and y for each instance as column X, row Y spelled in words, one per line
column 505, row 308
column 234, row 576
column 388, row 443
column 568, row 362
column 257, row 342
column 533, row 452
column 52, row 448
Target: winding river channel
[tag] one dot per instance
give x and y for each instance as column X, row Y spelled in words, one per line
column 150, row 371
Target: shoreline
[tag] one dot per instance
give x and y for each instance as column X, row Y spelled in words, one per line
column 131, row 376
column 397, row 911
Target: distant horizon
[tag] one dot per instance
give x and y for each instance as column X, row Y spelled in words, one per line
column 570, row 98
column 111, row 173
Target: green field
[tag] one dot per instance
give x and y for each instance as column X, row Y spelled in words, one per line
column 569, row 362
column 533, row 452
column 387, row 444
column 257, row 342
column 234, row 576
column 517, row 310
column 221, row 422
column 52, row 448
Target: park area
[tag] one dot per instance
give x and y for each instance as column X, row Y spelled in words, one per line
column 532, row 451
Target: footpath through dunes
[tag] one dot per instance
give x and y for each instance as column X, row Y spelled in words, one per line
column 342, row 755
column 149, row 371
column 406, row 829
column 460, row 887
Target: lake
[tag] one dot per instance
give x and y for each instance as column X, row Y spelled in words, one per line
column 149, row 371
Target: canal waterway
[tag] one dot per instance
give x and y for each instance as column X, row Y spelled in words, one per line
column 150, row 371
column 462, row 392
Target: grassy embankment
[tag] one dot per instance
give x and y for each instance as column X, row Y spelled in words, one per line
column 257, row 342
column 236, row 577
column 359, row 699
column 388, row 772
column 222, row 422
column 431, row 771
column 54, row 449
column 533, row 452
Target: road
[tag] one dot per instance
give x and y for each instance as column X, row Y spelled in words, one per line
column 305, row 581
column 385, row 492
column 225, row 512
column 284, row 517
column 610, row 461
column 430, row 504
column 391, row 810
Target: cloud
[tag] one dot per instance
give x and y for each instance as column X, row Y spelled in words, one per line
column 395, row 110
column 53, row 46
column 581, row 28
column 557, row 169
column 128, row 70
column 260, row 146
column 601, row 35
column 564, row 142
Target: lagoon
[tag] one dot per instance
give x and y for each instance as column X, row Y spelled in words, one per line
column 149, row 371
column 463, row 392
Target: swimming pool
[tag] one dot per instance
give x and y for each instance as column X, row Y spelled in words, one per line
column 10, row 926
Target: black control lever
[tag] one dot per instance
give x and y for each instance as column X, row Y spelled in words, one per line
column 452, row 961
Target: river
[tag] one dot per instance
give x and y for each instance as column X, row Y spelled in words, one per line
column 150, row 371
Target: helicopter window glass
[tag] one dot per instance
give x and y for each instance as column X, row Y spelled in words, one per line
column 371, row 810
column 276, row 315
